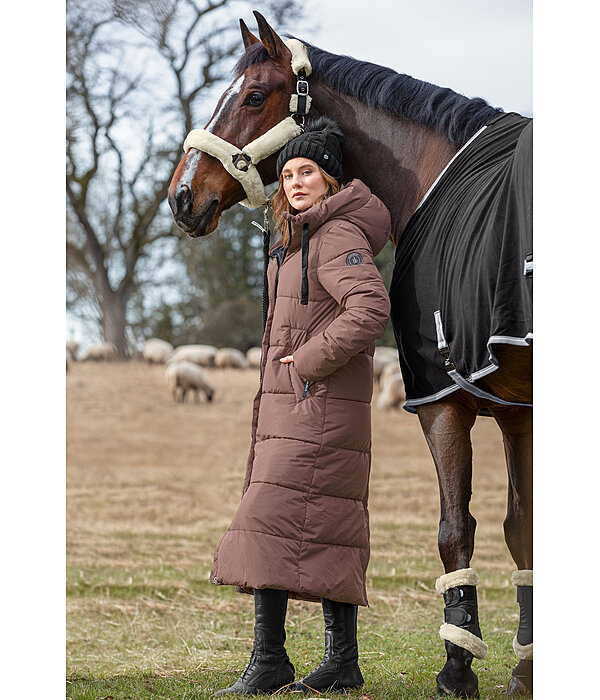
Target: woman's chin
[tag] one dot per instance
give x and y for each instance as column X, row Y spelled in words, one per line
column 302, row 205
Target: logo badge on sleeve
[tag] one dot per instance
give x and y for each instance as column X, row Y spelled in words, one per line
column 354, row 259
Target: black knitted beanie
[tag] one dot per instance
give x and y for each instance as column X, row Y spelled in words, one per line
column 320, row 141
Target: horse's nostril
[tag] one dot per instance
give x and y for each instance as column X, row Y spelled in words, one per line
column 184, row 198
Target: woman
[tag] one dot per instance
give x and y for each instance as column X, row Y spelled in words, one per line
column 302, row 527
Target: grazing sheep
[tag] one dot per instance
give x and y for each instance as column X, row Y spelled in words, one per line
column 389, row 368
column 379, row 363
column 231, row 357
column 203, row 355
column 387, row 352
column 100, row 352
column 184, row 376
column 156, row 351
column 392, row 394
column 72, row 347
column 253, row 357
column 382, row 356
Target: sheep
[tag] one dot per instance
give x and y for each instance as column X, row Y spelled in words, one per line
column 379, row 363
column 184, row 376
column 231, row 357
column 203, row 355
column 72, row 347
column 382, row 356
column 253, row 356
column 389, row 368
column 384, row 351
column 156, row 351
column 392, row 394
column 100, row 352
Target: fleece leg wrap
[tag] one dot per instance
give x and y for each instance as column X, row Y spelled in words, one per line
column 461, row 626
column 523, row 641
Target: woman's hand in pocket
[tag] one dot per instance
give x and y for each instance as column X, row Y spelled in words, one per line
column 287, row 359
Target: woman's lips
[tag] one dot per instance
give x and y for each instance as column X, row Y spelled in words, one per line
column 298, row 194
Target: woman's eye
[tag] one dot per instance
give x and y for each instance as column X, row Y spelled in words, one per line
column 255, row 99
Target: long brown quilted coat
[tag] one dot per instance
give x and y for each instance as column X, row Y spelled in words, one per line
column 303, row 523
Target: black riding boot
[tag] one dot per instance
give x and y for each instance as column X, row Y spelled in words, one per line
column 339, row 667
column 269, row 668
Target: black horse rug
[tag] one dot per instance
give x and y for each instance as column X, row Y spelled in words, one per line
column 462, row 278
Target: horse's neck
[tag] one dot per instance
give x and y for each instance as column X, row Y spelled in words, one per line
column 397, row 159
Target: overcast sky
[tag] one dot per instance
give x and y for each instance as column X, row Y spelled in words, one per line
column 480, row 48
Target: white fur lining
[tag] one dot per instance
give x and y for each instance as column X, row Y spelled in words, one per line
column 271, row 141
column 523, row 651
column 522, row 577
column 464, row 639
column 299, row 57
column 294, row 103
column 461, row 577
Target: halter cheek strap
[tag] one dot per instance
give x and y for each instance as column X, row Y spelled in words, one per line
column 241, row 164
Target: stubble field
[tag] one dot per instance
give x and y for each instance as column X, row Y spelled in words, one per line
column 152, row 486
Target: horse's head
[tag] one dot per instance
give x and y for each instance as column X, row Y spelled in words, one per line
column 257, row 100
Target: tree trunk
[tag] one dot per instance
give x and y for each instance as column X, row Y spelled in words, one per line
column 114, row 324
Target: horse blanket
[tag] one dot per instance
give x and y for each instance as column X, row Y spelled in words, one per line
column 462, row 278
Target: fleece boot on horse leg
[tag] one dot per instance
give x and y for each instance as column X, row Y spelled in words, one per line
column 447, row 426
column 339, row 668
column 460, row 632
column 516, row 424
column 521, row 682
column 269, row 668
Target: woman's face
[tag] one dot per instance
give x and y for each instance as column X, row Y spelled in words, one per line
column 303, row 183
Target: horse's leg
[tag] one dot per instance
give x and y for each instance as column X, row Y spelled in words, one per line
column 447, row 426
column 516, row 426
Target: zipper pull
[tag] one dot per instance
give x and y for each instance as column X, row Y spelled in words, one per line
column 305, row 390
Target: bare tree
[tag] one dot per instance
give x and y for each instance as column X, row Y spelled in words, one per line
column 136, row 71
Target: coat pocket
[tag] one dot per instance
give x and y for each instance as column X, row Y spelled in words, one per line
column 300, row 386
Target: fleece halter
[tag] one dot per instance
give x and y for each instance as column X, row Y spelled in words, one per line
column 241, row 164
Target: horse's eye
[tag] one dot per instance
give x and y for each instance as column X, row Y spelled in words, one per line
column 255, row 99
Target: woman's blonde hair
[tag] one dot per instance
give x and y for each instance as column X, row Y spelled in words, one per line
column 280, row 203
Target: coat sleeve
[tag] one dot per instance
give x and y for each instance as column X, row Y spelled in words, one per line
column 359, row 290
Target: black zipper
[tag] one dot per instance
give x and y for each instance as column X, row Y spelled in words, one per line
column 279, row 260
column 305, row 389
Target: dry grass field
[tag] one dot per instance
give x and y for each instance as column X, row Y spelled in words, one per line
column 153, row 484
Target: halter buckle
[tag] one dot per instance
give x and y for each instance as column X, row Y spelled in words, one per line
column 302, row 87
column 242, row 161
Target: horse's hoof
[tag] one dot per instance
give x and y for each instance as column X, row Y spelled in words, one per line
column 468, row 689
column 521, row 682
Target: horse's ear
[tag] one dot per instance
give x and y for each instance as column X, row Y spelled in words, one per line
column 247, row 37
column 269, row 37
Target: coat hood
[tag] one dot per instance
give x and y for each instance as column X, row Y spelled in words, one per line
column 354, row 203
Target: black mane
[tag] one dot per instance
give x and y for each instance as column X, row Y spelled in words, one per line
column 440, row 109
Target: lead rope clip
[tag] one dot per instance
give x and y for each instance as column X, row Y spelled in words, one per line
column 265, row 297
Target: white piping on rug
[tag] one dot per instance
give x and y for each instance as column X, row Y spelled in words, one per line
column 435, row 182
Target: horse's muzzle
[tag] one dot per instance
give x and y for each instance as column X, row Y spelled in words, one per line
column 194, row 225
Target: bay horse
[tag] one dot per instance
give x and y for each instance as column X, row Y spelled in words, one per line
column 402, row 135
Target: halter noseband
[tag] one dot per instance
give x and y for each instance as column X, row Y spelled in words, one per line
column 241, row 164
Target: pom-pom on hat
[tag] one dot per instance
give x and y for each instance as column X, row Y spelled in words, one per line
column 321, row 142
